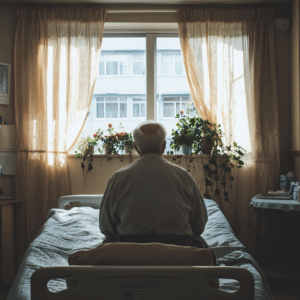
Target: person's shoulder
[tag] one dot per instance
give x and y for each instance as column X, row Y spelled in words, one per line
column 127, row 167
column 176, row 167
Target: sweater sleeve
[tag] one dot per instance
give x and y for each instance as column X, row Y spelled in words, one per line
column 107, row 220
column 198, row 216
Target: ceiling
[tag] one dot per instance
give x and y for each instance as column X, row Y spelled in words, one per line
column 150, row 2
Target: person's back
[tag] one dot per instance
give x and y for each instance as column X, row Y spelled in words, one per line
column 152, row 197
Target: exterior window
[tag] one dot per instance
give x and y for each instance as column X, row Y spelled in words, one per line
column 138, row 63
column 113, row 64
column 139, row 105
column 111, row 107
column 172, row 106
column 172, row 64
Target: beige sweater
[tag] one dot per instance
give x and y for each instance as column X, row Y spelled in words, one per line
column 152, row 196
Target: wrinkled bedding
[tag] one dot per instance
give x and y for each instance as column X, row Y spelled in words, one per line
column 68, row 231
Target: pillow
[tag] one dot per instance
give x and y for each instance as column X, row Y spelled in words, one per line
column 135, row 254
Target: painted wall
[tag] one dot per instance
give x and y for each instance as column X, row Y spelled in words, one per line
column 295, row 89
column 8, row 22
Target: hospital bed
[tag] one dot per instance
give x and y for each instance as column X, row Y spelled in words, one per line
column 45, row 267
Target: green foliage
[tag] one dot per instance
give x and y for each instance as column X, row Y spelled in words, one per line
column 192, row 131
column 86, row 148
column 117, row 141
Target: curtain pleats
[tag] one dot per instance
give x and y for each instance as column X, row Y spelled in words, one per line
column 56, row 60
column 229, row 58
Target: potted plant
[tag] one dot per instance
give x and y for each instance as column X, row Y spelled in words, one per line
column 86, row 148
column 195, row 134
column 110, row 142
column 125, row 141
column 206, row 138
column 219, row 169
column 184, row 136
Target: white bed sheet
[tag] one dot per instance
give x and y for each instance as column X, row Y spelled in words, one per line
column 68, row 231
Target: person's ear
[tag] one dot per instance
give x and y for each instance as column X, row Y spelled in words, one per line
column 135, row 147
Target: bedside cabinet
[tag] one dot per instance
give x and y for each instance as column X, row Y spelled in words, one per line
column 10, row 238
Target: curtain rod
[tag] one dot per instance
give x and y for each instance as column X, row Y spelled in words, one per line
column 131, row 7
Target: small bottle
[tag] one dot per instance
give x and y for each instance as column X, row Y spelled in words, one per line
column 292, row 186
column 290, row 177
column 296, row 192
column 283, row 182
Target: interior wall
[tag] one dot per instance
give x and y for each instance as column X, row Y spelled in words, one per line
column 295, row 89
column 8, row 22
column 96, row 181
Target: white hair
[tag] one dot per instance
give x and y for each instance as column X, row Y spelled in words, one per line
column 153, row 141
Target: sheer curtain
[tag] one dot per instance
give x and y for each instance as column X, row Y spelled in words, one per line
column 229, row 59
column 56, row 59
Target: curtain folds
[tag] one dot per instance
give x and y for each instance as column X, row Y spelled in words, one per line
column 56, row 58
column 229, row 58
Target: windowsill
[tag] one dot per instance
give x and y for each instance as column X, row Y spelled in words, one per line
column 137, row 155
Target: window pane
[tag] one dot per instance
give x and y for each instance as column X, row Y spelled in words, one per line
column 168, row 69
column 100, row 110
column 136, row 113
column 168, row 110
column 123, row 68
column 138, row 68
column 120, row 88
column 111, row 99
column 143, row 110
column 170, row 88
column 112, row 68
column 177, row 108
column 101, row 68
column 111, row 110
column 123, row 110
column 178, row 68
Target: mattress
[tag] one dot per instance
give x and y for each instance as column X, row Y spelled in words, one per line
column 68, row 231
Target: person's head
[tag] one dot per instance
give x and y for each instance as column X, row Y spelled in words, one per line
column 149, row 137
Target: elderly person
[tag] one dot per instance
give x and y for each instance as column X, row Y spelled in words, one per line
column 151, row 199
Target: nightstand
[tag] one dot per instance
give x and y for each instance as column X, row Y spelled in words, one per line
column 10, row 238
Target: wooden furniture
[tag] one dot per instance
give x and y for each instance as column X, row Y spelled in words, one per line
column 10, row 238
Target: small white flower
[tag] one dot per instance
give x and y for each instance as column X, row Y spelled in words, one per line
column 202, row 134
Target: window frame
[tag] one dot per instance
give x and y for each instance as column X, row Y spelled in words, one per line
column 116, row 102
column 151, row 78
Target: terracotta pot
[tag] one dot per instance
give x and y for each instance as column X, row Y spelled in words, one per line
column 206, row 145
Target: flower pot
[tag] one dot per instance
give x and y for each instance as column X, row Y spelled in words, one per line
column 186, row 149
column 127, row 149
column 206, row 145
column 89, row 150
column 107, row 150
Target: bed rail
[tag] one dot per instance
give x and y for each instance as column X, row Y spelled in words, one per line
column 81, row 200
column 142, row 282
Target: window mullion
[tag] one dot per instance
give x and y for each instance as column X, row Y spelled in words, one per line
column 151, row 76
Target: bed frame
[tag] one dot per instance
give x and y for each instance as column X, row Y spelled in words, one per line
column 141, row 283
column 138, row 282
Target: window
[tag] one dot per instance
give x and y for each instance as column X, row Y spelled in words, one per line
column 132, row 88
column 111, row 107
column 172, row 63
column 138, row 63
column 172, row 105
column 113, row 64
column 139, row 107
